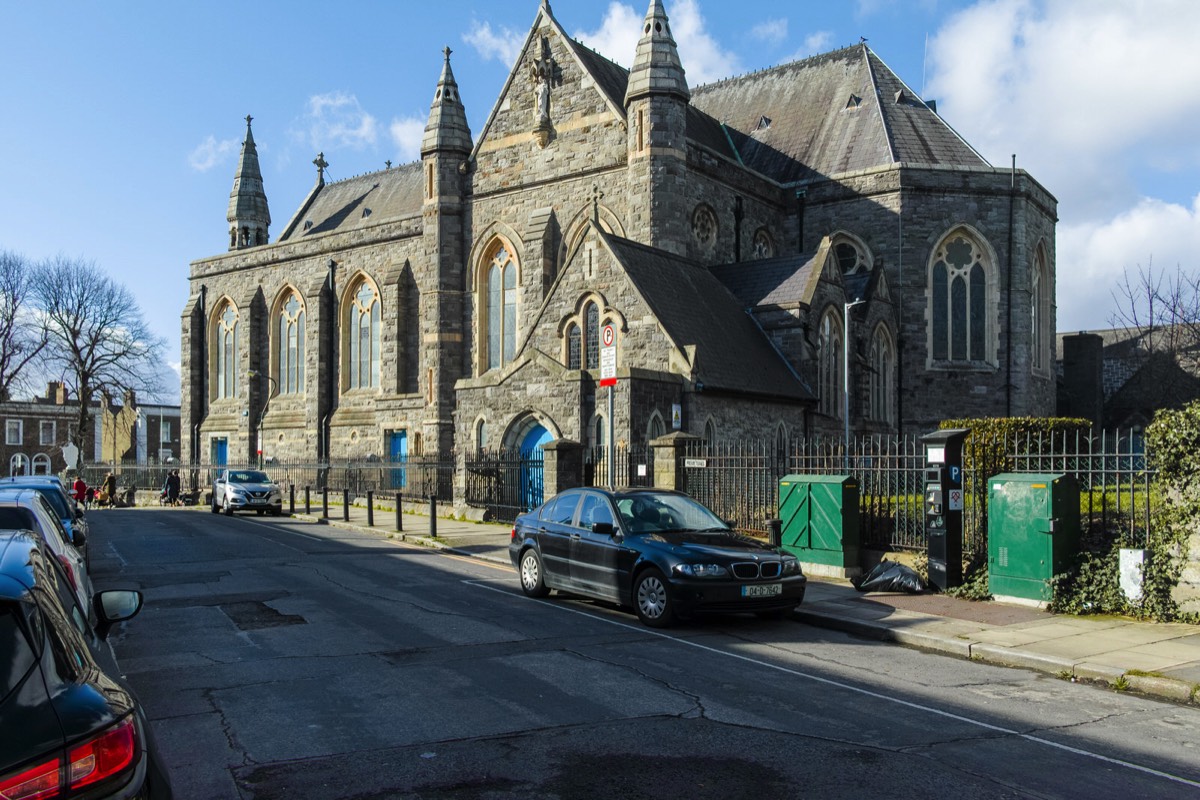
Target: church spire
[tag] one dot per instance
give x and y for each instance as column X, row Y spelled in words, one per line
column 447, row 127
column 248, row 215
column 656, row 67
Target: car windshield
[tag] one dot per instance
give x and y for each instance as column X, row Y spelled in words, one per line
column 249, row 476
column 652, row 512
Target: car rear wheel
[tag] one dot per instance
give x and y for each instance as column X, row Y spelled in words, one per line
column 532, row 583
column 652, row 600
column 214, row 507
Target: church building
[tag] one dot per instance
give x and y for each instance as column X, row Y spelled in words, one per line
column 752, row 259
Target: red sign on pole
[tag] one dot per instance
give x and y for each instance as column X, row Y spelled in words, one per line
column 608, row 356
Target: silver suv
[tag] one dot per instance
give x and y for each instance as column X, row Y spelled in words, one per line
column 246, row 490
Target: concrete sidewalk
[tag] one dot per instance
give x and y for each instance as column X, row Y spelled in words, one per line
column 1161, row 660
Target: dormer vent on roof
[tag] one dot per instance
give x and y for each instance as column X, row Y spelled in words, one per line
column 764, row 122
column 854, row 102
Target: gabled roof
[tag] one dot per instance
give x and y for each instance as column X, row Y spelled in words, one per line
column 360, row 202
column 830, row 114
column 778, row 281
column 695, row 310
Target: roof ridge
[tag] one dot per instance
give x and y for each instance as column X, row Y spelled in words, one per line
column 360, row 175
column 775, row 67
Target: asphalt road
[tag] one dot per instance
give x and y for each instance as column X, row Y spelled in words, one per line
column 282, row 659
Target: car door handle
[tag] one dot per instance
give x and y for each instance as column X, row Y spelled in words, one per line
column 575, row 536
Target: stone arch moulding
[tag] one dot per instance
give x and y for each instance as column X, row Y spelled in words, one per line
column 843, row 236
column 496, row 231
column 523, row 425
column 577, row 224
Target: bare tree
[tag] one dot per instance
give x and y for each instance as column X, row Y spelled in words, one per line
column 22, row 335
column 1161, row 308
column 97, row 336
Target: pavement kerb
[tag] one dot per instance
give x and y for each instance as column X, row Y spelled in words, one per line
column 1171, row 689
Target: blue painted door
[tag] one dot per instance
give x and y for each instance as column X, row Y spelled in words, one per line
column 220, row 452
column 398, row 453
column 531, row 466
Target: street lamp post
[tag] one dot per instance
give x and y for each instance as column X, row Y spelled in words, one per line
column 272, row 386
column 846, row 375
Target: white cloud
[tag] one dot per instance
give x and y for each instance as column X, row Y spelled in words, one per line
column 406, row 135
column 814, row 43
column 772, row 31
column 618, row 35
column 337, row 120
column 210, row 153
column 1093, row 256
column 1100, row 104
column 503, row 46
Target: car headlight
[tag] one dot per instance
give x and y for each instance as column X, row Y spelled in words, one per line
column 791, row 566
column 701, row 570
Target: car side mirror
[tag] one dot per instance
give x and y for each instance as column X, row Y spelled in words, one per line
column 115, row 606
column 78, row 538
column 603, row 528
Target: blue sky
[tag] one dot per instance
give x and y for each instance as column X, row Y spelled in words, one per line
column 123, row 120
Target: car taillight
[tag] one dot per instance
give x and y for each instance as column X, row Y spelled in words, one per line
column 514, row 533
column 70, row 570
column 104, row 756
column 99, row 758
column 36, row 783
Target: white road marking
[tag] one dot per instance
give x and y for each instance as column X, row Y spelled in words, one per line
column 858, row 690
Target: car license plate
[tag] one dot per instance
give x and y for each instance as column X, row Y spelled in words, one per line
column 258, row 499
column 762, row 590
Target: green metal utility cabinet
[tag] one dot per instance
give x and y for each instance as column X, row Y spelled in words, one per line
column 820, row 522
column 1033, row 533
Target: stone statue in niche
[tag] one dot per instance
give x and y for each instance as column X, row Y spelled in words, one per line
column 544, row 74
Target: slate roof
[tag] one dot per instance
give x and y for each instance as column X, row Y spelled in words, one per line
column 612, row 78
column 830, row 114
column 694, row 308
column 771, row 281
column 359, row 202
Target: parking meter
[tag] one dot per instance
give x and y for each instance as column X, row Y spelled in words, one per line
column 944, row 506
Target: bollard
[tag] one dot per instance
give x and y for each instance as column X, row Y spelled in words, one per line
column 345, row 505
column 325, row 502
column 432, row 517
column 774, row 532
column 370, row 509
column 307, row 501
column 291, row 498
column 399, row 512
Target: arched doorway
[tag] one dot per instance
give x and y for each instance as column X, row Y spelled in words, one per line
column 531, row 477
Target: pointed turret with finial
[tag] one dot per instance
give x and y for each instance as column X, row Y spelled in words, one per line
column 248, row 217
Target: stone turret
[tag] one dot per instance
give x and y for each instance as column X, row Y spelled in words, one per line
column 445, row 150
column 656, row 104
column 248, row 216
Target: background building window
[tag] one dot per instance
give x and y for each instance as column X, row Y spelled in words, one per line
column 959, row 301
column 46, row 432
column 12, row 431
column 41, row 464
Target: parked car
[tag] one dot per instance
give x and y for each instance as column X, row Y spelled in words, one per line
column 69, row 512
column 660, row 552
column 73, row 728
column 246, row 490
column 28, row 509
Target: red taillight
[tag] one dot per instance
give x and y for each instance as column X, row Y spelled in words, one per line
column 36, row 783
column 514, row 533
column 104, row 756
column 70, row 570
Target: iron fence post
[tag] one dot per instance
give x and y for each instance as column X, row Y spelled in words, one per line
column 345, row 505
column 307, row 500
column 325, row 502
column 399, row 512
column 370, row 509
column 291, row 498
column 432, row 517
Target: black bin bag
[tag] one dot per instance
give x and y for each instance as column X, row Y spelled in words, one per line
column 889, row 576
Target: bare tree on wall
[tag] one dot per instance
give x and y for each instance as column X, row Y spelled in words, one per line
column 98, row 338
column 23, row 334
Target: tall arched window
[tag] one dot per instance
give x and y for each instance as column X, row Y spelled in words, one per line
column 882, row 377
column 655, row 429
column 959, row 302
column 1040, row 330
column 591, row 337
column 225, row 352
column 829, row 365
column 710, row 431
column 289, row 352
column 501, row 292
column 573, row 347
column 364, row 326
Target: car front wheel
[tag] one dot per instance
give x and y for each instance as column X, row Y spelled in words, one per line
column 652, row 600
column 532, row 583
column 227, row 507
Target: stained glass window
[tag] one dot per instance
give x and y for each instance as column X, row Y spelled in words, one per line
column 226, row 352
column 959, row 302
column 290, row 353
column 365, row 324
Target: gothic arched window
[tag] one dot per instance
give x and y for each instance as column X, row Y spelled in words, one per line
column 882, row 377
column 225, row 352
column 289, row 352
column 1040, row 330
column 829, row 364
column 591, row 327
column 574, row 352
column 364, row 324
column 959, row 302
column 500, row 291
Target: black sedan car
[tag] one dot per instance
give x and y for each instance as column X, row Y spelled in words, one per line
column 660, row 552
column 71, row 727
